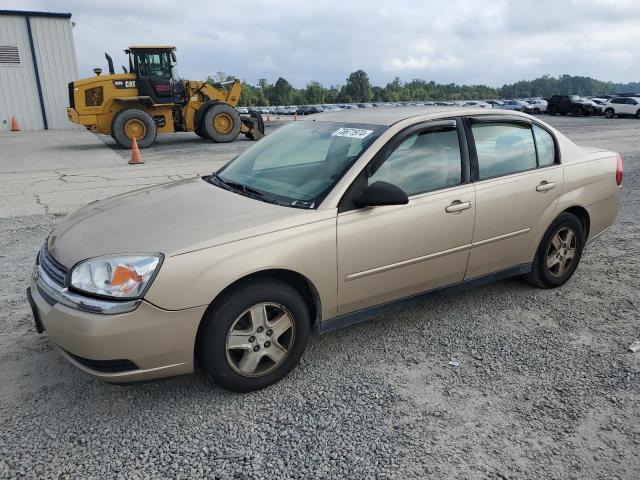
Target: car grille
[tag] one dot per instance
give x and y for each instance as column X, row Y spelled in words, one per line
column 51, row 267
column 105, row 366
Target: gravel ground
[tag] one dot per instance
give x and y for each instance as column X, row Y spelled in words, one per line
column 545, row 387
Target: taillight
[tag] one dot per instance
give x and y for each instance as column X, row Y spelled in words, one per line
column 619, row 170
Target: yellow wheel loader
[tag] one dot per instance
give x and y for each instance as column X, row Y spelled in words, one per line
column 148, row 99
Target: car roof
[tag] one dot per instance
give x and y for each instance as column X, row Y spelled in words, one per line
column 388, row 116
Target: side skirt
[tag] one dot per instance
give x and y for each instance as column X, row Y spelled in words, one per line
column 365, row 314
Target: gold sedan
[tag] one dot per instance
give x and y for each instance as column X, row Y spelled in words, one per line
column 324, row 223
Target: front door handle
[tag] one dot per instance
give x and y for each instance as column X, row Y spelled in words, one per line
column 457, row 206
column 545, row 186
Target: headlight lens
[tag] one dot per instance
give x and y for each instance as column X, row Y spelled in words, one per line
column 126, row 276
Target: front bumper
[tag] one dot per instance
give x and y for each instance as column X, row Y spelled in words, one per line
column 90, row 121
column 142, row 344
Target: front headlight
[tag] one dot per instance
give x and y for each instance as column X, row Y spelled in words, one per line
column 125, row 276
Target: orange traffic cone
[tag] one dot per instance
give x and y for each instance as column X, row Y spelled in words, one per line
column 135, row 153
column 14, row 125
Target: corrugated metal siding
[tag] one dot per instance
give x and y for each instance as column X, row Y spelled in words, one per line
column 18, row 90
column 53, row 43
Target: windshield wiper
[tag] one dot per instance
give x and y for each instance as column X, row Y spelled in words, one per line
column 238, row 187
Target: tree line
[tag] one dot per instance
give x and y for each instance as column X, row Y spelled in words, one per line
column 358, row 89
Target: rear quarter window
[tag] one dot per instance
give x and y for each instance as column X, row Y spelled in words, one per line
column 545, row 145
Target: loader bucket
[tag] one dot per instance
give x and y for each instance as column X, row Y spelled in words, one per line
column 254, row 126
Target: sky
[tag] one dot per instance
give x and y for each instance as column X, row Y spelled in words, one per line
column 489, row 42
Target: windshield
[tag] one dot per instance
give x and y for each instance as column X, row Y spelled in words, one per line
column 299, row 163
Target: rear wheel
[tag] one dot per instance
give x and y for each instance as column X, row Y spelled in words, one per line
column 577, row 111
column 131, row 123
column 609, row 113
column 552, row 111
column 254, row 335
column 559, row 252
column 221, row 122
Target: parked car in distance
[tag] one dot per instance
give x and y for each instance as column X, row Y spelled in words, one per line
column 622, row 106
column 538, row 105
column 495, row 103
column 476, row 103
column 516, row 105
column 242, row 110
column 573, row 104
column 232, row 271
column 596, row 109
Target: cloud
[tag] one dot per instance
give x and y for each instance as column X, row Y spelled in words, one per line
column 422, row 64
column 462, row 41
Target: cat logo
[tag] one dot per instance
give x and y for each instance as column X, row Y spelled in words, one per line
column 119, row 84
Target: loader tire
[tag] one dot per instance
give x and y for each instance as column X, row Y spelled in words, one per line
column 256, row 121
column 134, row 122
column 202, row 133
column 221, row 122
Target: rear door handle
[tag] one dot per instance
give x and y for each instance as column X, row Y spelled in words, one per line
column 545, row 186
column 457, row 206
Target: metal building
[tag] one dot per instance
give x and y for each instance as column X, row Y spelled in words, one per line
column 37, row 61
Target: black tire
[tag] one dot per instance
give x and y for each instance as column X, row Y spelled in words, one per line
column 226, row 311
column 142, row 120
column 638, row 114
column 587, row 113
column 609, row 113
column 231, row 123
column 255, row 120
column 552, row 111
column 541, row 275
column 201, row 133
column 577, row 111
column 536, row 111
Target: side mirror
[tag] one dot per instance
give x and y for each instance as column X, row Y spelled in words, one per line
column 379, row 194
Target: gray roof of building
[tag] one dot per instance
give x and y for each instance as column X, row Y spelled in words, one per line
column 29, row 13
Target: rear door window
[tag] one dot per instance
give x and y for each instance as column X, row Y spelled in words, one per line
column 503, row 148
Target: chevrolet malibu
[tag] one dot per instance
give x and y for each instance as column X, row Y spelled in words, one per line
column 324, row 223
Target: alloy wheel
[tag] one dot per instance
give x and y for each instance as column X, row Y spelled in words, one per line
column 260, row 339
column 561, row 252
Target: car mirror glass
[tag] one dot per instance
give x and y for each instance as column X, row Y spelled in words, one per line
column 381, row 193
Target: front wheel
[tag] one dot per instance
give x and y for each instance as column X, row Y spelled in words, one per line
column 559, row 252
column 609, row 113
column 254, row 335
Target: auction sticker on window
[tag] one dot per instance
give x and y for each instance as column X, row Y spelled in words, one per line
column 351, row 132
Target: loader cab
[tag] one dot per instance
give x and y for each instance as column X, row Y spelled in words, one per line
column 154, row 69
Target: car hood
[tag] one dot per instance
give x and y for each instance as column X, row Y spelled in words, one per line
column 171, row 219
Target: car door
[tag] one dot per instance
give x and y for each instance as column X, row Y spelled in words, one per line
column 517, row 181
column 390, row 252
column 630, row 106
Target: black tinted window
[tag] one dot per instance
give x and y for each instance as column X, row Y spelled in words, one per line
column 425, row 161
column 503, row 148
